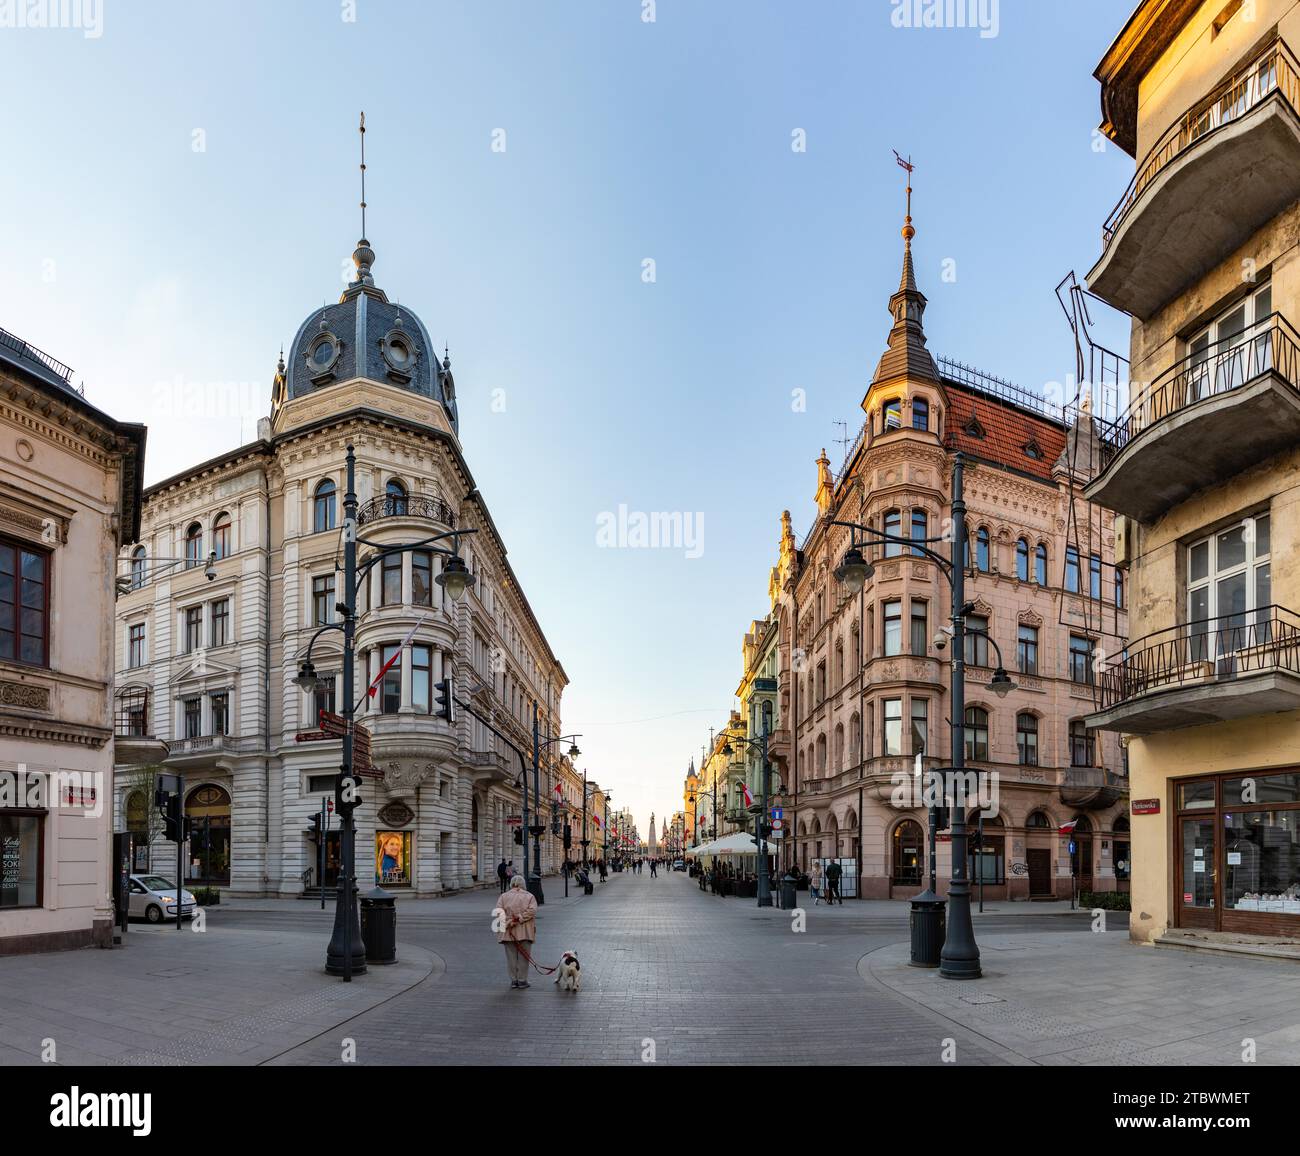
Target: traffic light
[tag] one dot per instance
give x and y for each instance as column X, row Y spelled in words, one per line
column 313, row 831
column 444, row 695
column 347, row 795
column 519, row 836
column 939, row 818
column 171, row 817
column 568, row 836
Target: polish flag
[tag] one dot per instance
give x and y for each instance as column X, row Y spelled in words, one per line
column 596, row 819
column 744, row 790
column 1067, row 828
column 373, row 688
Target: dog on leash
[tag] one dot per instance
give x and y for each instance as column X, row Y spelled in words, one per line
column 569, row 974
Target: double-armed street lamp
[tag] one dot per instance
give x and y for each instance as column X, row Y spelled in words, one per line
column 760, row 824
column 535, row 881
column 960, row 958
column 346, row 953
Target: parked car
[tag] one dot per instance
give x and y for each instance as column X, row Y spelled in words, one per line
column 154, row 898
column 679, row 865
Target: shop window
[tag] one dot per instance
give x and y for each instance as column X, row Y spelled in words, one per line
column 22, row 858
column 1197, row 796
column 987, row 856
column 908, row 854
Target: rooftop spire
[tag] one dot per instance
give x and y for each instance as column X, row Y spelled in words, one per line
column 363, row 256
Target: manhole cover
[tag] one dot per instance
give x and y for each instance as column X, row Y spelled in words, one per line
column 983, row 997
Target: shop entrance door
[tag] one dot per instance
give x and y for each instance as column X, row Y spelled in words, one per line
column 1196, row 874
column 1039, row 861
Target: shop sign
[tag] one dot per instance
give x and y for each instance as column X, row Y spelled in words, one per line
column 1146, row 807
column 396, row 814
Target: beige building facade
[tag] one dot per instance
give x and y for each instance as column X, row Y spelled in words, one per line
column 70, row 479
column 1204, row 464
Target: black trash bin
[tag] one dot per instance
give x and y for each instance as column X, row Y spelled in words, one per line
column 929, row 928
column 379, row 925
column 789, row 895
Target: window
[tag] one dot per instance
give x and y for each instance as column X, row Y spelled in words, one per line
column 920, row 626
column 891, row 415
column 193, row 545
column 390, row 691
column 22, row 840
column 390, row 580
column 1027, row 739
column 137, row 567
column 1094, row 577
column 894, row 528
column 193, row 717
column 892, row 712
column 221, row 622
column 982, row 549
column 24, row 603
column 1038, row 822
column 135, row 645
column 221, row 535
column 193, row 629
column 323, row 507
column 220, row 707
column 977, row 734
column 322, row 600
column 821, row 681
column 976, row 645
column 1072, row 569
column 421, row 578
column 1040, row 565
column 920, row 725
column 1119, row 589
column 1027, row 649
column 839, row 665
column 1229, row 589
column 920, row 531
column 323, row 697
column 1080, row 660
column 395, row 498
column 920, row 414
column 893, row 628
column 1232, row 349
column 1080, row 745
column 1022, row 560
column 422, row 679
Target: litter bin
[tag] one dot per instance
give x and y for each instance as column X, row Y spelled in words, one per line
column 588, row 887
column 789, row 897
column 379, row 925
column 929, row 928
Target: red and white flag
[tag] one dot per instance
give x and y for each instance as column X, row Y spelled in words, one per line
column 1067, row 828
column 373, row 688
column 596, row 819
column 744, row 790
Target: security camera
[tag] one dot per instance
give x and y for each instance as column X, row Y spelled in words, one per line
column 941, row 637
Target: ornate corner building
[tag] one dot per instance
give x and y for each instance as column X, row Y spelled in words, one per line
column 207, row 664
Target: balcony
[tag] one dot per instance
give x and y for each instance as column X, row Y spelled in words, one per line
column 1203, row 420
column 1208, row 671
column 1228, row 165
column 1091, row 788
column 415, row 506
column 133, row 745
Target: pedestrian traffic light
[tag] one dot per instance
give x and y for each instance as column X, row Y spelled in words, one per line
column 939, row 818
column 568, row 836
column 313, row 831
column 444, row 695
column 171, row 817
column 347, row 795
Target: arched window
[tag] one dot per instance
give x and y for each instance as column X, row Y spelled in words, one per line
column 982, row 549
column 821, row 755
column 323, row 506
column 137, row 567
column 894, row 527
column 920, row 414
column 839, row 665
column 891, row 415
column 1040, row 565
column 395, row 498
column 193, row 545
column 1027, row 739
column 920, row 530
column 221, row 535
column 1038, row 822
column 909, row 853
column 1022, row 560
column 839, row 748
column 977, row 734
column 855, row 740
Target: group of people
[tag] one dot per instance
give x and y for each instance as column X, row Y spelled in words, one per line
column 582, row 871
column 823, row 883
column 637, row 866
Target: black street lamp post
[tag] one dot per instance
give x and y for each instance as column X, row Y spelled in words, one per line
column 960, row 958
column 346, row 953
column 760, row 824
column 535, row 882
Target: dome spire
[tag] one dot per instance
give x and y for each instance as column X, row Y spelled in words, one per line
column 363, row 256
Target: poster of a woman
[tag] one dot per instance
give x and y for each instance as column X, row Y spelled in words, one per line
column 392, row 857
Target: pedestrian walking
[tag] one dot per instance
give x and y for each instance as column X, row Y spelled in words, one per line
column 653, row 868
column 502, row 877
column 518, row 915
column 833, row 872
column 816, row 882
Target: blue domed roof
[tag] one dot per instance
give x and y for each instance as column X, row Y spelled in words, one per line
column 366, row 335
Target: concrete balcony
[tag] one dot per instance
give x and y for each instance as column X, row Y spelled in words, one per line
column 1202, row 421
column 1228, row 165
column 1091, row 788
column 1208, row 671
column 133, row 744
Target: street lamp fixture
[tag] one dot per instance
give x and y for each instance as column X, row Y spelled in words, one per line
column 854, row 571
column 1001, row 684
column 307, row 678
column 455, row 578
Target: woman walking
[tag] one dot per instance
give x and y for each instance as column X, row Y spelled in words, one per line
column 518, row 929
column 815, row 883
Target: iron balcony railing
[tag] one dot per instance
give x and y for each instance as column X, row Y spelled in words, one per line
column 131, row 713
column 1205, row 650
column 416, row 506
column 1274, row 70
column 1271, row 345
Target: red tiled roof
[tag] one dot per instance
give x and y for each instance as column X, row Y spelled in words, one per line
column 1007, row 430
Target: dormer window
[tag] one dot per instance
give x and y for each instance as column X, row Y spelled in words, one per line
column 400, row 354
column 891, row 415
column 973, row 428
column 322, row 354
column 1032, row 450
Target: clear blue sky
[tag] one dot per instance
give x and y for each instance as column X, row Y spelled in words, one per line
column 161, row 273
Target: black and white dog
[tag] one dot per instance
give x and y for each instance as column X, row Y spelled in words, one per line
column 569, row 974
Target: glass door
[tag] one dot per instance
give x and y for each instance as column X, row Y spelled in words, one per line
column 1197, row 873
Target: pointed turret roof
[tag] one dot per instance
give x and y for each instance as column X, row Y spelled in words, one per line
column 906, row 356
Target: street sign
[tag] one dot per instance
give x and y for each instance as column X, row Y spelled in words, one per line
column 515, row 820
column 777, row 825
column 1146, row 806
column 332, row 724
column 778, row 813
column 1071, row 846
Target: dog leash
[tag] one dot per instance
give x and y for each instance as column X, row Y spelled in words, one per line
column 541, row 970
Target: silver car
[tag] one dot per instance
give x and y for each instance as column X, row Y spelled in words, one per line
column 154, row 898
